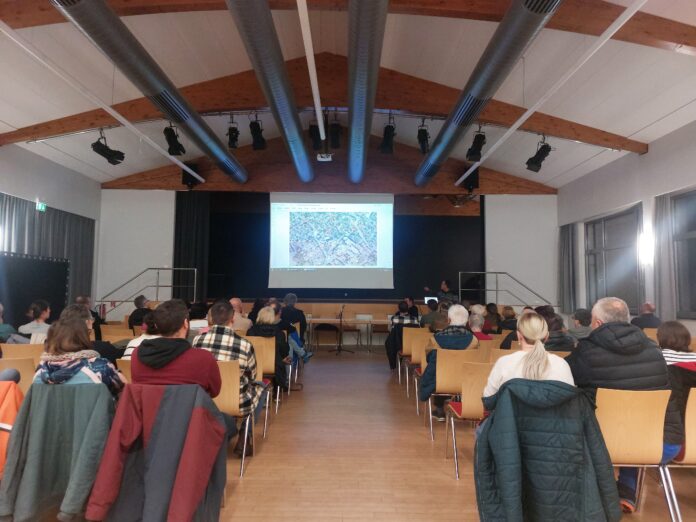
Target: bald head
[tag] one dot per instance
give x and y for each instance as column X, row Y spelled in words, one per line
column 236, row 303
column 609, row 310
column 647, row 308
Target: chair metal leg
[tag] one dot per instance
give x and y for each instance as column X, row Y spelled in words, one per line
column 268, row 407
column 415, row 390
column 430, row 417
column 277, row 399
column 253, row 435
column 289, row 378
column 246, row 438
column 407, row 381
column 447, row 420
column 398, row 367
column 670, row 495
column 639, row 488
column 454, row 448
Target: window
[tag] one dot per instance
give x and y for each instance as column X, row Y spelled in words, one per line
column 611, row 256
column 684, row 222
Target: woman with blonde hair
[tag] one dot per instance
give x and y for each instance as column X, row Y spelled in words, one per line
column 266, row 325
column 532, row 361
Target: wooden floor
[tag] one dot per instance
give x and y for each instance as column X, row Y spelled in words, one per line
column 350, row 447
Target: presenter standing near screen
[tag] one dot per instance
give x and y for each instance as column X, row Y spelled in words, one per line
column 445, row 293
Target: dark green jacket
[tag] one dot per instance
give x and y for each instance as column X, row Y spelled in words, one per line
column 541, row 457
column 54, row 451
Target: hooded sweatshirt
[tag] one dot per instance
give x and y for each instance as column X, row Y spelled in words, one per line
column 172, row 361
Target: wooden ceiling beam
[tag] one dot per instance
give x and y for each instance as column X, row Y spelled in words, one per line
column 589, row 17
column 271, row 170
column 396, row 91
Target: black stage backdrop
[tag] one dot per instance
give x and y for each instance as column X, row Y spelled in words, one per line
column 427, row 249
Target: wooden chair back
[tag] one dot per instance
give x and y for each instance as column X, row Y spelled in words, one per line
column 114, row 338
column 450, row 367
column 125, row 320
column 475, row 377
column 22, row 351
column 494, row 355
column 411, row 336
column 25, row 367
column 651, row 333
column 228, row 399
column 240, row 333
column 124, row 366
column 562, row 355
column 497, row 339
column 632, row 423
column 419, row 347
column 690, row 430
column 108, row 329
column 264, row 348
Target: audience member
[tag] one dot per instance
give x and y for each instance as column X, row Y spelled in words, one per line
column 40, row 311
column 559, row 340
column 477, row 309
column 150, row 331
column 618, row 355
column 294, row 315
column 432, row 315
column 445, row 293
column 70, row 359
column 454, row 337
column 647, row 317
column 403, row 316
column 581, row 323
column 412, row 308
column 506, row 344
column 198, row 316
column 441, row 321
column 141, row 308
column 509, row 321
column 266, row 326
column 82, row 313
column 6, row 330
column 239, row 322
column 492, row 319
column 295, row 344
column 532, row 361
column 259, row 303
column 476, row 327
column 98, row 321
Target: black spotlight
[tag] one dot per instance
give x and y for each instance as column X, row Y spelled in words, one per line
column 423, row 137
column 232, row 135
column 172, row 137
column 543, row 150
column 315, row 136
column 258, row 141
column 112, row 156
column 474, row 152
column 335, row 131
column 387, row 145
column 472, row 181
column 187, row 179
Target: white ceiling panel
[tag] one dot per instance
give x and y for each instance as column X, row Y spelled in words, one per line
column 680, row 10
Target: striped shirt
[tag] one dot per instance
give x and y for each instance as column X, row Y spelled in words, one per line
column 686, row 360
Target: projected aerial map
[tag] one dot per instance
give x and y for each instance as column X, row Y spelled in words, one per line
column 333, row 239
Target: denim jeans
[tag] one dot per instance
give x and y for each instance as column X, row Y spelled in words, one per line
column 628, row 477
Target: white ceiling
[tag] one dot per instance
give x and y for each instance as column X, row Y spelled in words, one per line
column 628, row 89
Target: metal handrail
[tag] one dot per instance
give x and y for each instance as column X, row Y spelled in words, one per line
column 497, row 287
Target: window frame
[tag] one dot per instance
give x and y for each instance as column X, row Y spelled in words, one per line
column 676, row 238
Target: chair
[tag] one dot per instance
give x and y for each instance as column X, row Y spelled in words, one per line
column 108, row 329
column 25, row 367
column 562, row 355
column 650, row 333
column 329, row 329
column 22, row 351
column 124, row 366
column 409, row 337
column 419, row 350
column 470, row 407
column 494, row 355
column 689, row 458
column 111, row 338
column 624, row 413
column 240, row 333
column 265, row 350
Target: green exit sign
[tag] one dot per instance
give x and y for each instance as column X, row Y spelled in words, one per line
column 41, row 206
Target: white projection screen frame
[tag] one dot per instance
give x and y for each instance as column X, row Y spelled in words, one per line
column 331, row 241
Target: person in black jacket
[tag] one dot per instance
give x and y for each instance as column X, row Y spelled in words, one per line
column 266, row 326
column 294, row 315
column 559, row 340
column 618, row 355
column 647, row 317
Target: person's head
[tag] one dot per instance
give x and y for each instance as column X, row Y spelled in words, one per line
column 476, row 322
column 198, row 311
column 84, row 300
column 555, row 323
column 457, row 315
column 432, row 305
column 509, row 312
column 222, row 313
column 259, row 303
column 674, row 335
column 237, row 305
column 546, row 311
column 445, row 285
column 409, row 301
column 582, row 317
column 266, row 315
column 403, row 307
column 172, row 319
column 79, row 312
column 277, row 308
column 532, row 332
column 609, row 310
column 477, row 309
column 40, row 310
column 149, row 325
column 443, row 306
column 290, row 299
column 272, row 300
column 492, row 309
column 647, row 308
column 67, row 335
column 528, row 309
column 141, row 301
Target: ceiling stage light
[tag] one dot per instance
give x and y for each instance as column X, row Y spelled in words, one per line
column 112, row 156
column 474, row 152
column 423, row 137
column 258, row 141
column 543, row 150
column 387, row 145
column 172, row 137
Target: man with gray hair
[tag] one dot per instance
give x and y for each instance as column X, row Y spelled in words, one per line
column 293, row 315
column 618, row 355
column 239, row 322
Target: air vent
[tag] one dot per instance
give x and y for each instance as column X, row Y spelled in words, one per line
column 430, row 170
column 66, row 3
column 169, row 106
column 467, row 110
column 541, row 6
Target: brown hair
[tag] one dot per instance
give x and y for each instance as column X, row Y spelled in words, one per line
column 221, row 313
column 509, row 312
column 674, row 335
column 68, row 335
column 170, row 316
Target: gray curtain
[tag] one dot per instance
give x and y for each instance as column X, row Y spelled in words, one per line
column 665, row 276
column 54, row 233
column 567, row 258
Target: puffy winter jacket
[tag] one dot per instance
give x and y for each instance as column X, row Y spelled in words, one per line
column 540, row 456
column 682, row 380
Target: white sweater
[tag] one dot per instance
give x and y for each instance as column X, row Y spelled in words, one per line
column 511, row 366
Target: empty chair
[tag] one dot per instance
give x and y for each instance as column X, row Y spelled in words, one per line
column 22, row 351
column 411, row 337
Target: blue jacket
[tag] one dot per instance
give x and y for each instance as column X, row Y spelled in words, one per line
column 448, row 341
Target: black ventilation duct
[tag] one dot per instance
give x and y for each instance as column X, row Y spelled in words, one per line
column 109, row 34
column 516, row 31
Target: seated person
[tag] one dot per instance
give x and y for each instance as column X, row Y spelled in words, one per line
column 511, row 338
column 40, row 311
column 618, row 355
column 647, row 317
column 295, row 343
column 149, row 332
column 532, row 361
column 445, row 293
column 476, row 326
column 103, row 348
column 70, row 359
column 493, row 319
column 412, row 308
column 441, row 321
column 98, row 321
column 266, row 326
column 240, row 322
column 293, row 315
column 581, row 323
column 428, row 319
column 454, row 337
column 141, row 308
column 559, row 340
column 198, row 320
column 259, row 303
column 509, row 319
column 6, row 330
column 403, row 316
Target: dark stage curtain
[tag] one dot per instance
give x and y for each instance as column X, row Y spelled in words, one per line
column 191, row 244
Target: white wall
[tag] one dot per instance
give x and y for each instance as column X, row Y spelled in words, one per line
column 29, row 176
column 522, row 239
column 136, row 232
